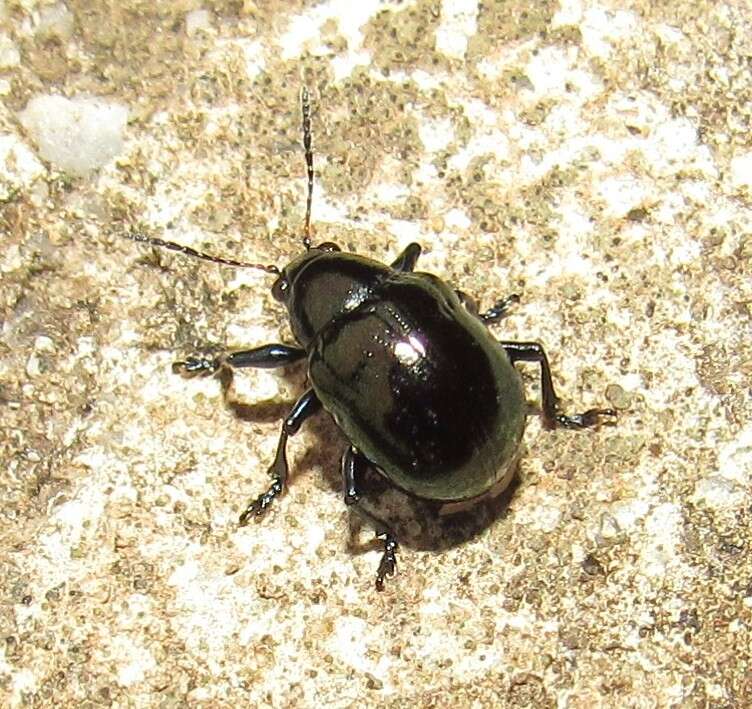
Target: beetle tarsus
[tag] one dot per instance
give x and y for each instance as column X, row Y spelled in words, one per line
column 500, row 309
column 588, row 419
column 278, row 472
column 196, row 366
column 493, row 314
column 388, row 564
column 259, row 506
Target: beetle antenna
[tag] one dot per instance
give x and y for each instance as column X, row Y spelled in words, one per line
column 188, row 251
column 306, row 110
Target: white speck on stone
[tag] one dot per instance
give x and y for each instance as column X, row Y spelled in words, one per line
column 719, row 493
column 459, row 22
column 435, row 134
column 406, row 232
column 55, row 21
column 253, row 53
column 256, row 386
column 663, row 527
column 544, row 517
column 9, row 54
column 44, row 344
column 425, row 80
column 735, row 458
column 208, row 602
column 32, row 366
column 569, row 13
column 386, row 192
column 698, row 192
column 601, row 29
column 673, row 146
column 85, row 346
column 457, row 219
column 493, row 142
column 685, row 252
column 627, row 514
column 669, row 34
column 347, row 642
column 547, row 71
column 133, row 661
column 349, row 16
column 24, row 683
column 77, row 135
column 741, row 171
column 425, row 173
column 198, row 21
column 621, row 194
column 19, row 166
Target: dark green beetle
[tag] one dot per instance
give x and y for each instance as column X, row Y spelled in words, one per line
column 406, row 367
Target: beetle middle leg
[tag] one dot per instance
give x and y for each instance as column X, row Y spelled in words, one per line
column 534, row 352
column 304, row 408
column 354, row 464
column 263, row 357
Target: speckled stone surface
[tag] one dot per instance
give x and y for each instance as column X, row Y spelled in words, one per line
column 595, row 157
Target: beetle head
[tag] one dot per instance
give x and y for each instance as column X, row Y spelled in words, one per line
column 323, row 283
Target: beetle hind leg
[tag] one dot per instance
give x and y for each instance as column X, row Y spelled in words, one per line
column 552, row 417
column 354, row 464
column 306, row 406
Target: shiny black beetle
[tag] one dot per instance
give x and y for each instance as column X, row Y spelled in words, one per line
column 405, row 365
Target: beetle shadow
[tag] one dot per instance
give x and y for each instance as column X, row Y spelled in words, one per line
column 423, row 525
column 259, row 411
column 416, row 523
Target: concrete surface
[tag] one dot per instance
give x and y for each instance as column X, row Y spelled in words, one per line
column 595, row 157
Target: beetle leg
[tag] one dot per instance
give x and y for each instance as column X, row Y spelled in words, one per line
column 534, row 352
column 492, row 315
column 353, row 466
column 264, row 357
column 407, row 259
column 305, row 406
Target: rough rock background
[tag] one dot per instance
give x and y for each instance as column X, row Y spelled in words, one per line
column 595, row 157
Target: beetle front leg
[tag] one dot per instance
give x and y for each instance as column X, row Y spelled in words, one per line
column 407, row 259
column 493, row 314
column 263, row 357
column 499, row 309
column 534, row 352
column 354, row 464
column 305, row 407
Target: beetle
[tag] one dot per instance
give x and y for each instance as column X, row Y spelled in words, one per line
column 405, row 365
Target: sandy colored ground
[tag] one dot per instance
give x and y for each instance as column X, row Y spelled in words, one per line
column 595, row 157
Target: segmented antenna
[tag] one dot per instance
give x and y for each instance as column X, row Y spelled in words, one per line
column 188, row 251
column 306, row 109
